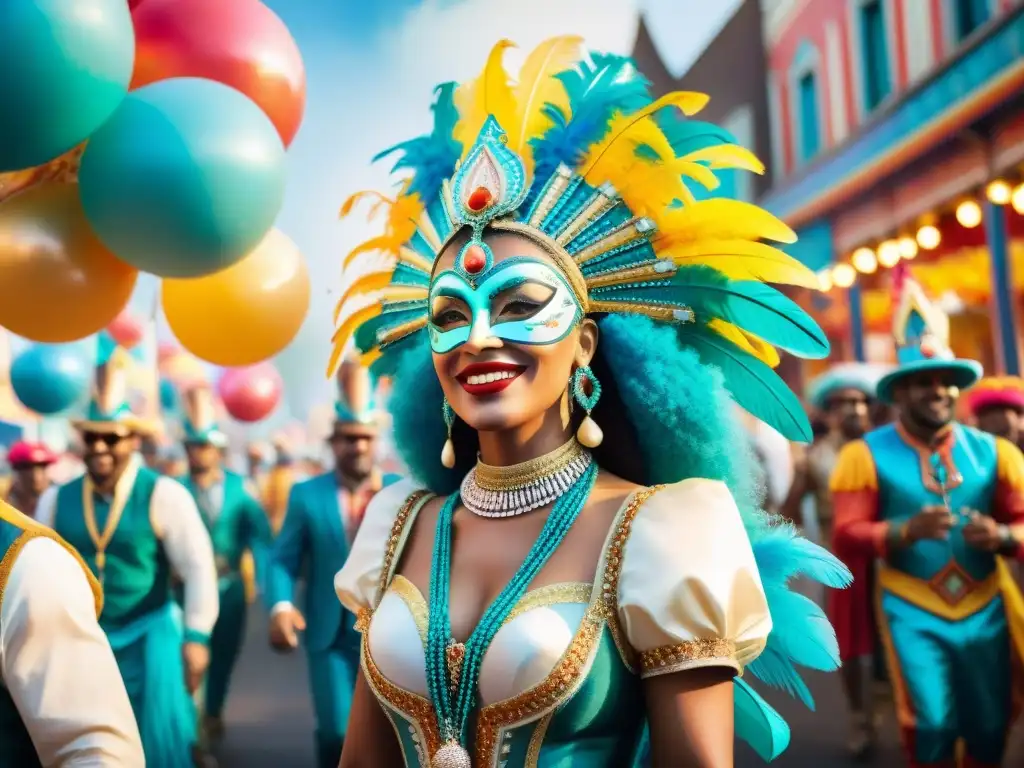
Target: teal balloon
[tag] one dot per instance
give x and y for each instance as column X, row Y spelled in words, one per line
column 51, row 378
column 168, row 396
column 185, row 179
column 65, row 66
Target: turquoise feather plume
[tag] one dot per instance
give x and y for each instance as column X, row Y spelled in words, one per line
column 748, row 304
column 760, row 725
column 432, row 157
column 753, row 385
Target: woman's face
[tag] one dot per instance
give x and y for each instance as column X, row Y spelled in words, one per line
column 505, row 343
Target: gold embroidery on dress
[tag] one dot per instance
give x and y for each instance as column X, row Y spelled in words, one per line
column 399, row 530
column 680, row 656
column 410, row 705
column 551, row 594
column 537, row 741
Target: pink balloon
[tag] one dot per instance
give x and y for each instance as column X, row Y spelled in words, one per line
column 166, row 350
column 250, row 394
column 126, row 329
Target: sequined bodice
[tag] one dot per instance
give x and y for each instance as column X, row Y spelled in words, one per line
column 555, row 652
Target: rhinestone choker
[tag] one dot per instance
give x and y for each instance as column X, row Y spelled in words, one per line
column 509, row 491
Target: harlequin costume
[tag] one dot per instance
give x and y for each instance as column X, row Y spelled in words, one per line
column 62, row 700
column 131, row 542
column 582, row 161
column 950, row 616
column 237, row 525
column 319, row 526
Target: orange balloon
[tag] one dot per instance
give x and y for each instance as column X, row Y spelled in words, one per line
column 58, row 283
column 245, row 313
column 63, row 169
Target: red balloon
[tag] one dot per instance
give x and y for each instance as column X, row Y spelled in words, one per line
column 252, row 393
column 126, row 329
column 240, row 43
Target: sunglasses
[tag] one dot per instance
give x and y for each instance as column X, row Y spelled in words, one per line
column 108, row 439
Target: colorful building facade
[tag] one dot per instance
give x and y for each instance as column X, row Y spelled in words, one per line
column 897, row 134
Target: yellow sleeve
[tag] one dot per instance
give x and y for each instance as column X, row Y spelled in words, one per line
column 854, row 470
column 1009, row 464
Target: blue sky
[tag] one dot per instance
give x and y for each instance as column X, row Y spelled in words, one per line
column 371, row 65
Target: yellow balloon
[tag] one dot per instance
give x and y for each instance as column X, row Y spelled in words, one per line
column 58, row 282
column 246, row 313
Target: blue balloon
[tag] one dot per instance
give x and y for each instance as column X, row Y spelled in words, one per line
column 168, row 396
column 50, row 378
column 65, row 66
column 185, row 179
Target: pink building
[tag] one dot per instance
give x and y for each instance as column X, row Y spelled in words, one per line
column 898, row 133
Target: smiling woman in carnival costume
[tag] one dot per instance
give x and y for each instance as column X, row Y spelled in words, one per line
column 579, row 555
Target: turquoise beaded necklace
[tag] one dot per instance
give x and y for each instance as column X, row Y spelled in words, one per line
column 453, row 704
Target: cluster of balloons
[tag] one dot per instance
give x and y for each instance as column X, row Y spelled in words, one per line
column 149, row 136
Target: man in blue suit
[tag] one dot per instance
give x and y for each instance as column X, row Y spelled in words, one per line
column 321, row 521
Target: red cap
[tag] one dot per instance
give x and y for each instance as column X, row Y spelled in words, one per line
column 26, row 454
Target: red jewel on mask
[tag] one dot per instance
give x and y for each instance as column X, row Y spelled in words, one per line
column 474, row 259
column 479, row 199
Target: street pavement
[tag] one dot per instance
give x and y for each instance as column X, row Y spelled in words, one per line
column 270, row 722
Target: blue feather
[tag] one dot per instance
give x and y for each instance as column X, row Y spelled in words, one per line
column 596, row 90
column 686, row 135
column 432, row 157
column 800, row 630
column 757, row 723
column 753, row 385
column 774, row 669
column 781, row 554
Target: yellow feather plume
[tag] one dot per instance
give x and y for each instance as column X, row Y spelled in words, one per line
column 344, row 333
column 742, row 260
column 720, row 219
column 490, row 94
column 625, row 127
column 726, row 156
column 748, row 343
column 538, row 87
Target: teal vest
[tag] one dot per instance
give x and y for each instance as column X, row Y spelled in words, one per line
column 137, row 575
column 902, row 492
column 231, row 530
column 16, row 750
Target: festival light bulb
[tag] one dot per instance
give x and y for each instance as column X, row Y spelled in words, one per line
column 843, row 275
column 998, row 192
column 864, row 260
column 1017, row 199
column 907, row 247
column 968, row 213
column 824, row 281
column 929, row 237
column 889, row 253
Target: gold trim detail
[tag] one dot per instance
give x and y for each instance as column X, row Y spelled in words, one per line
column 516, row 476
column 693, row 653
column 101, row 539
column 408, row 704
column 413, row 599
column 537, row 741
column 32, row 530
column 406, row 514
column 562, row 593
column 928, row 596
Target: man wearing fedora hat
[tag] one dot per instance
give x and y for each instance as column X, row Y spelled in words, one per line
column 322, row 518
column 941, row 506
column 133, row 528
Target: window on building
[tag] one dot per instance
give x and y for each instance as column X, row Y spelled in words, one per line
column 968, row 15
column 810, row 131
column 874, row 53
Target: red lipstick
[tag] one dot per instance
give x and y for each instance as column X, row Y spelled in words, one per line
column 483, row 379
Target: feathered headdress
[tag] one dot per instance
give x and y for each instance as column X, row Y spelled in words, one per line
column 200, row 421
column 579, row 158
column 921, row 331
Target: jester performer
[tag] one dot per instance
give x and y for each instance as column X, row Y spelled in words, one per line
column 941, row 506
column 62, row 700
column 996, row 404
column 323, row 516
column 579, row 558
column 134, row 527
column 237, row 525
column 30, row 463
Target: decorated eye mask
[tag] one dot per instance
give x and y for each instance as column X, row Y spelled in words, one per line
column 521, row 301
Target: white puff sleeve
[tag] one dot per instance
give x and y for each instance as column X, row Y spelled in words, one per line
column 376, row 546
column 689, row 594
